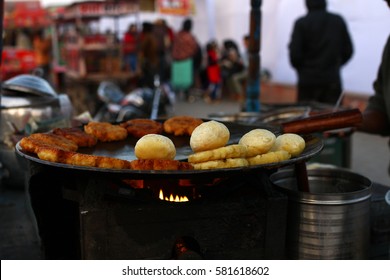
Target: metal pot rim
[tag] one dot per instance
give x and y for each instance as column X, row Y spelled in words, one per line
column 327, row 174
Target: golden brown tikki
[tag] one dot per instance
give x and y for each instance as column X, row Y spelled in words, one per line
column 73, row 158
column 81, row 138
column 36, row 140
column 106, row 132
column 160, row 164
column 141, row 127
column 60, row 149
column 181, row 125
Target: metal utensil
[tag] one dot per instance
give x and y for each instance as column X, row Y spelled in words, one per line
column 338, row 103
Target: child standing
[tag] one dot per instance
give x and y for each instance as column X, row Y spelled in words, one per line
column 213, row 72
column 130, row 48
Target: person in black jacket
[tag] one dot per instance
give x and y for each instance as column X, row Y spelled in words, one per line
column 320, row 45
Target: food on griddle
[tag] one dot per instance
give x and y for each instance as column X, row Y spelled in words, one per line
column 227, row 152
column 160, row 164
column 209, row 135
column 155, row 146
column 106, row 132
column 141, row 127
column 81, row 138
column 181, row 125
column 37, row 140
column 208, row 141
column 157, row 152
column 73, row 158
column 289, row 142
column 223, row 163
column 258, row 141
column 58, row 148
column 270, row 157
column 265, row 148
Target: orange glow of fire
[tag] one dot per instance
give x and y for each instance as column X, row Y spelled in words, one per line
column 171, row 198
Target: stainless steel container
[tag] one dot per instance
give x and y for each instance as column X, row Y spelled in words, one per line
column 332, row 220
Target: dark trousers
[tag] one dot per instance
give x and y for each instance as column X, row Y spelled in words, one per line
column 323, row 93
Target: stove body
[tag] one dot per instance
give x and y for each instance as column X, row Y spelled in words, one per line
column 92, row 215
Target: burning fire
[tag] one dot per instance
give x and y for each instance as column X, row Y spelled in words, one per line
column 172, row 198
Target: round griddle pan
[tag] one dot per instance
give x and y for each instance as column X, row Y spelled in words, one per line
column 125, row 149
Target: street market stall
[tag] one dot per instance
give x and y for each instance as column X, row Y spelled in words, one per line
column 90, row 56
column 21, row 20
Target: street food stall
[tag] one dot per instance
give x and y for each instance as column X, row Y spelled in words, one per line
column 89, row 55
column 244, row 212
column 229, row 213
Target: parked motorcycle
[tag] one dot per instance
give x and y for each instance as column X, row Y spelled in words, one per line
column 139, row 103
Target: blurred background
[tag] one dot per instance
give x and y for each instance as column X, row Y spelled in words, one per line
column 367, row 21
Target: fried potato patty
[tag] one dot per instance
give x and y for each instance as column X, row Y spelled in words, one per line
column 270, row 157
column 209, row 135
column 73, row 158
column 231, row 151
column 106, row 132
column 155, row 146
column 222, row 163
column 36, row 140
column 181, row 125
column 258, row 141
column 141, row 127
column 80, row 137
column 291, row 143
column 160, row 164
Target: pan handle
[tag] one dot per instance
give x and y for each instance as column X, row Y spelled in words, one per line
column 324, row 122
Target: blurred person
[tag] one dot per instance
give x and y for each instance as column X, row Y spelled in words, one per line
column 320, row 45
column 229, row 44
column 184, row 63
column 214, row 77
column 239, row 78
column 376, row 116
column 43, row 53
column 233, row 69
column 130, row 47
column 164, row 46
column 148, row 60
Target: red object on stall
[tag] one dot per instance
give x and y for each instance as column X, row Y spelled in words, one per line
column 16, row 61
column 25, row 14
column 19, row 15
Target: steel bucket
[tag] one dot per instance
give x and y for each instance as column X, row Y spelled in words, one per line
column 332, row 220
